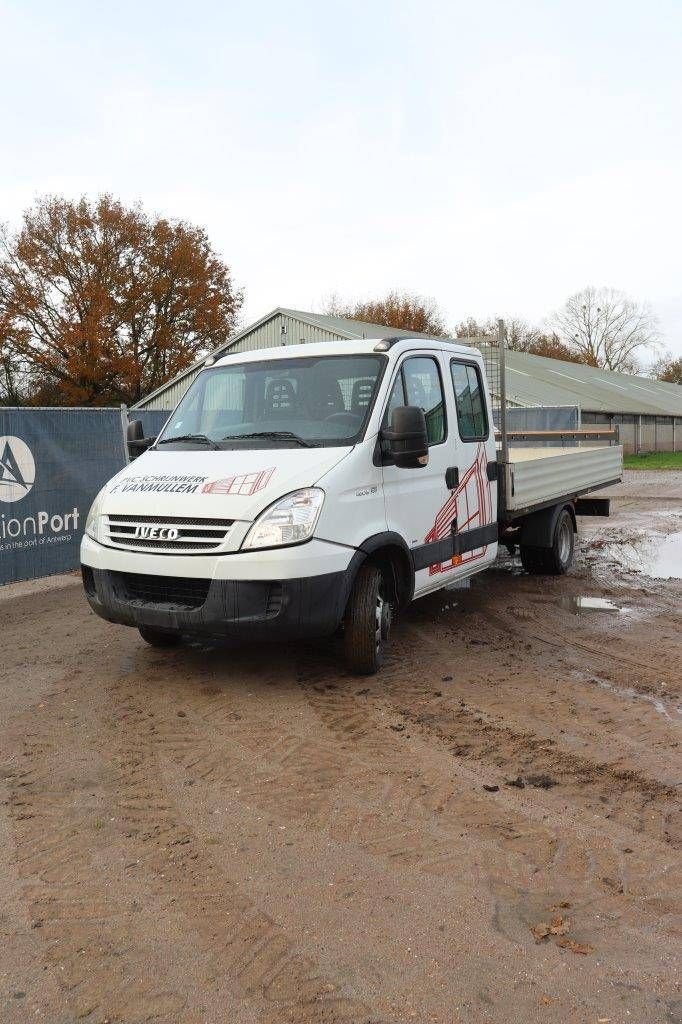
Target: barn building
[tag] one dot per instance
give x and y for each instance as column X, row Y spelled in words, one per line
column 648, row 413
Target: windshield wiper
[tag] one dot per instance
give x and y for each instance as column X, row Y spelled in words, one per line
column 269, row 435
column 200, row 438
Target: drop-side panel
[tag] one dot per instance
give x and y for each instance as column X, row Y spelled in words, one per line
column 535, row 477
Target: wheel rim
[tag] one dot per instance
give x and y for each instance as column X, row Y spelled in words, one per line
column 382, row 621
column 564, row 541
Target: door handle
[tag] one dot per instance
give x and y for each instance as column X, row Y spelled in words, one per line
column 451, row 477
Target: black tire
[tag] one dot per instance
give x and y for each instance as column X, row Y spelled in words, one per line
column 367, row 622
column 159, row 637
column 557, row 560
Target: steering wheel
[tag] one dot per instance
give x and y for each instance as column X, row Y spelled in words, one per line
column 348, row 418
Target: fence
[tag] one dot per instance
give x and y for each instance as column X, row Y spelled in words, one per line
column 545, row 417
column 641, row 433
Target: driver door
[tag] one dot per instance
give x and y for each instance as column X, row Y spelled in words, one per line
column 414, row 497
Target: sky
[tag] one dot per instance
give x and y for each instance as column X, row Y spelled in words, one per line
column 494, row 156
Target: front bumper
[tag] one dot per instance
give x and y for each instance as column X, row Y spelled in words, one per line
column 127, row 590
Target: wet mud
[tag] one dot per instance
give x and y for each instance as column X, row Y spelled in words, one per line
column 489, row 830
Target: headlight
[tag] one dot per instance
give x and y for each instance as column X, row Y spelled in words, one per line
column 290, row 520
column 94, row 518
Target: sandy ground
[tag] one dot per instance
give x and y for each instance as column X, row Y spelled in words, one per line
column 487, row 831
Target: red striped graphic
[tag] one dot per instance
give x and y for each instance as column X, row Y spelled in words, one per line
column 471, row 504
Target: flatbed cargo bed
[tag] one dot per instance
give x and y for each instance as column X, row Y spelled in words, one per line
column 533, row 478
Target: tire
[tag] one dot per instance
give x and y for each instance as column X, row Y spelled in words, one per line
column 557, row 560
column 159, row 637
column 367, row 622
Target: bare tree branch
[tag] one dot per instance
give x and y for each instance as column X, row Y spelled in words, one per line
column 606, row 328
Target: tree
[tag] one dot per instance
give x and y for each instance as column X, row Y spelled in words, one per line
column 551, row 347
column 401, row 310
column 473, row 328
column 12, row 372
column 606, row 328
column 668, row 368
column 521, row 337
column 102, row 303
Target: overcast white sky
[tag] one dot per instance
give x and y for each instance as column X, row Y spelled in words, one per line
column 496, row 156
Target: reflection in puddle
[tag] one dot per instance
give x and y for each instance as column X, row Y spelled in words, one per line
column 589, row 604
column 665, row 562
column 654, row 555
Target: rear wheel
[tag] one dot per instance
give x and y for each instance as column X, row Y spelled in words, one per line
column 367, row 622
column 159, row 637
column 557, row 559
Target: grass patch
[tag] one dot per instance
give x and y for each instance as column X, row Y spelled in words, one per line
column 654, row 460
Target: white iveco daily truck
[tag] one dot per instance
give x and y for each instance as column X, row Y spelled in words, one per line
column 300, row 492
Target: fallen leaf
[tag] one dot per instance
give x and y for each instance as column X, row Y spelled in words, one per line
column 561, row 905
column 558, row 926
column 540, row 931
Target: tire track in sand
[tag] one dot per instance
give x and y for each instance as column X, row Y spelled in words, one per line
column 89, row 926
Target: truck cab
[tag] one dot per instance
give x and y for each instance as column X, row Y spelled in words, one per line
column 298, row 492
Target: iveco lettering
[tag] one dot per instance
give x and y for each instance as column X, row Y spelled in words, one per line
column 313, row 490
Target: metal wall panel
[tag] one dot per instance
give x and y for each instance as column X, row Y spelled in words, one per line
column 283, row 330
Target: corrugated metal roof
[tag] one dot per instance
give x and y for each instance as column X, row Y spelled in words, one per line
column 348, row 328
column 531, row 380
column 536, row 380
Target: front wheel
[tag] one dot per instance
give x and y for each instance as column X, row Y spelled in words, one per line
column 367, row 622
column 159, row 637
column 557, row 560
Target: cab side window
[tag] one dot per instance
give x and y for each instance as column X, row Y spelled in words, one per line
column 396, row 399
column 423, row 388
column 418, row 383
column 472, row 415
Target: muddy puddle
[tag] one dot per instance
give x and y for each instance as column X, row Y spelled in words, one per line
column 655, row 555
column 673, row 712
column 579, row 605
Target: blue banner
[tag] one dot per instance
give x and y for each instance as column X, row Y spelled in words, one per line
column 52, row 464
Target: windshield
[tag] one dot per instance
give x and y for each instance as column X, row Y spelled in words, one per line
column 312, row 401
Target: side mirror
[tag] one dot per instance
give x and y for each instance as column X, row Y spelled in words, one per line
column 137, row 442
column 408, row 438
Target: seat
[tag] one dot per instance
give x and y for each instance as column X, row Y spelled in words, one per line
column 280, row 398
column 361, row 395
column 325, row 399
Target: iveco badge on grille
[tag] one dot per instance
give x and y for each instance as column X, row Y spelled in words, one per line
column 156, row 532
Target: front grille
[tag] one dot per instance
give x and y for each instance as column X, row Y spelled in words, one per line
column 175, row 591
column 178, row 534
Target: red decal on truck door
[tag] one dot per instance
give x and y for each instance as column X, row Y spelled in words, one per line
column 471, row 505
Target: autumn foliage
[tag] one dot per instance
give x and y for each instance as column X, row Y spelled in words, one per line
column 520, row 337
column 402, row 311
column 101, row 303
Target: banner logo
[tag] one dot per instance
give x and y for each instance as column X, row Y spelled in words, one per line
column 17, row 469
